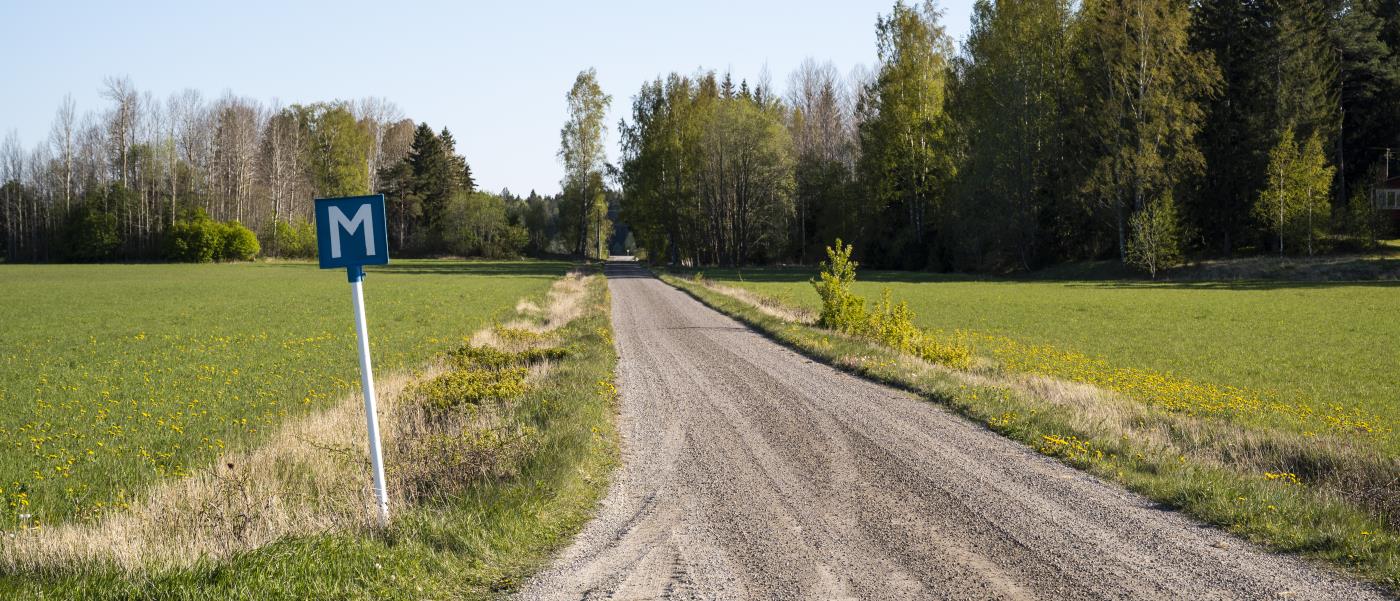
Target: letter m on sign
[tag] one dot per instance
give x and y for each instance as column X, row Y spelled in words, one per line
column 351, row 231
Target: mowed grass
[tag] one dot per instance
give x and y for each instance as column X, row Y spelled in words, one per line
column 1321, row 344
column 112, row 376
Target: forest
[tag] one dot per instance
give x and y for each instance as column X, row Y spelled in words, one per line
column 1143, row 131
column 191, row 179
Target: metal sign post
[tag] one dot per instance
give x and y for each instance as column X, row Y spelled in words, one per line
column 351, row 233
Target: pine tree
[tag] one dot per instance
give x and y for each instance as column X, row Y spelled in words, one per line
column 1238, row 129
column 1368, row 87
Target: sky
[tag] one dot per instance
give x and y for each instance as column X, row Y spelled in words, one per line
column 495, row 73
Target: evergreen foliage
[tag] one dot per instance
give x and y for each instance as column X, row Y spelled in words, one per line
column 90, row 235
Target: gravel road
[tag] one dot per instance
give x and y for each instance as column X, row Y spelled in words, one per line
column 751, row 472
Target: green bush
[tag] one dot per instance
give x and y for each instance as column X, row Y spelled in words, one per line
column 1154, row 241
column 893, row 324
column 842, row 309
column 889, row 323
column 240, row 243
column 293, row 239
column 194, row 240
column 460, row 387
column 203, row 240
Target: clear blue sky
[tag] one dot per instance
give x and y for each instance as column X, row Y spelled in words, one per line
column 494, row 72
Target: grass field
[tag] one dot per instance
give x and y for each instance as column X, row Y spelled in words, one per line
column 1317, row 343
column 485, row 480
column 117, row 375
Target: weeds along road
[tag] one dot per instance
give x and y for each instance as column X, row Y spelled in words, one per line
column 751, row 472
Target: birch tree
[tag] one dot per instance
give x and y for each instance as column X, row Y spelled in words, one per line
column 582, row 152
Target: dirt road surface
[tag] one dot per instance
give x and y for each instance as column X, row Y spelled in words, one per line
column 751, row 472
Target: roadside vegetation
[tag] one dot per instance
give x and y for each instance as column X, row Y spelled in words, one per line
column 1315, row 475
column 1320, row 342
column 497, row 448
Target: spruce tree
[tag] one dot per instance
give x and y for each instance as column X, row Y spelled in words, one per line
column 1369, row 89
column 1238, row 129
column 434, row 180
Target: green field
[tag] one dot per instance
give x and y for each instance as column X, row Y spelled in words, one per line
column 1318, row 343
column 112, row 376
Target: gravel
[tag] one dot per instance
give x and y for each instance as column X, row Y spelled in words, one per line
column 751, row 472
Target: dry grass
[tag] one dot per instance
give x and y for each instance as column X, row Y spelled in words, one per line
column 769, row 306
column 563, row 304
column 311, row 476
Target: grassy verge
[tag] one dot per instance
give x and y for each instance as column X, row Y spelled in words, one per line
column 497, row 456
column 1206, row 465
column 1317, row 343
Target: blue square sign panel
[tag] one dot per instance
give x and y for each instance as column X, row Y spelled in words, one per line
column 351, row 231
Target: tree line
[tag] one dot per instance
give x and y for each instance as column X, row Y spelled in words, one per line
column 1141, row 130
column 194, row 179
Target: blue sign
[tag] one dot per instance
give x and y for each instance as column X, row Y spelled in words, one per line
column 351, row 231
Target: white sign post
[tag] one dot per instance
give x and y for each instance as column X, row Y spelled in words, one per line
column 340, row 240
column 376, row 456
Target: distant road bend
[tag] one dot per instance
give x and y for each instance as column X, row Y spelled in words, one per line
column 751, row 472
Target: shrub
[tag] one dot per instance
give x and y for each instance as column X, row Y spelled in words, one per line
column 893, row 324
column 1155, row 237
column 461, row 387
column 239, row 243
column 200, row 239
column 842, row 310
column 1362, row 220
column 888, row 323
column 293, row 239
column 195, row 240
column 485, row 357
